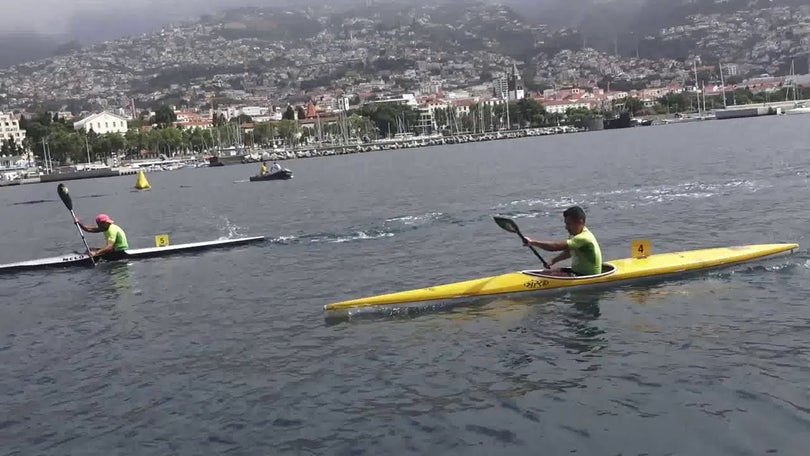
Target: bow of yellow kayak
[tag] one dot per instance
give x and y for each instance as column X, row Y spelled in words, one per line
column 626, row 269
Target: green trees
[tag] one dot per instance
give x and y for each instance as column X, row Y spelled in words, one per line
column 391, row 117
column 263, row 133
column 578, row 117
column 634, row 105
column 289, row 113
column 288, row 130
column 10, row 147
column 66, row 146
column 165, row 116
column 361, row 127
column 677, row 102
column 528, row 113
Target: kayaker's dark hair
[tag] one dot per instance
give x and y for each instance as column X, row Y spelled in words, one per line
column 576, row 213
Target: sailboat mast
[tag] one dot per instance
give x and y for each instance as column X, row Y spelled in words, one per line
column 793, row 81
column 703, row 92
column 697, row 87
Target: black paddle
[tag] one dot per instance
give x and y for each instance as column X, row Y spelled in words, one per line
column 510, row 226
column 65, row 197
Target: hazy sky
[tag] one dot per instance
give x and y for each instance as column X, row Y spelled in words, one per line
column 91, row 20
column 57, row 17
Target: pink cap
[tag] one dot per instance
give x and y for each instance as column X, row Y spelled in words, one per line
column 103, row 218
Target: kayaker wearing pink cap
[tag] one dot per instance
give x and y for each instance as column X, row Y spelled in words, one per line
column 116, row 238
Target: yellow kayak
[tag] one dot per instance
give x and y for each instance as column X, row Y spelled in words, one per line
column 617, row 271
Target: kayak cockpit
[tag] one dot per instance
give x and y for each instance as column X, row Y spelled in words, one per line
column 607, row 269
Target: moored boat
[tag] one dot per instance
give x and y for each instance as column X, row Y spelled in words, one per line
column 627, row 270
column 213, row 161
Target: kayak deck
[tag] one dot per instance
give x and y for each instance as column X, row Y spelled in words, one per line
column 627, row 269
column 81, row 259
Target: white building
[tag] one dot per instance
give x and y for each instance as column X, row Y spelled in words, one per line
column 257, row 113
column 17, row 166
column 341, row 103
column 515, row 85
column 500, row 87
column 408, row 99
column 101, row 123
column 562, row 106
column 509, row 86
column 433, row 85
column 190, row 119
column 254, row 111
column 10, row 128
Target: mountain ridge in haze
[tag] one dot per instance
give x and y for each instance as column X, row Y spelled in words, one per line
column 598, row 20
column 23, row 42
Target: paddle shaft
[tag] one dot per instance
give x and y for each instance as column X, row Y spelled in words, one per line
column 526, row 241
column 510, row 225
column 83, row 238
column 65, row 197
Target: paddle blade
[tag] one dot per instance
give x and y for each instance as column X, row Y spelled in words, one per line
column 507, row 224
column 64, row 196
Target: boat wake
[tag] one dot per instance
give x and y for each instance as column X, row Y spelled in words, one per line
column 333, row 238
column 776, row 265
column 356, row 236
column 416, row 219
column 633, row 197
column 232, row 229
column 389, row 228
column 284, row 240
column 518, row 215
column 405, row 312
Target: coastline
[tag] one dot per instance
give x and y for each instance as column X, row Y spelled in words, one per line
column 325, row 150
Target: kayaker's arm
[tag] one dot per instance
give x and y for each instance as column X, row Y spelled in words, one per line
column 566, row 254
column 110, row 247
column 89, row 229
column 551, row 246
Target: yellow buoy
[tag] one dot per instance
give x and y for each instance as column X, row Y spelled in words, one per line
column 142, row 183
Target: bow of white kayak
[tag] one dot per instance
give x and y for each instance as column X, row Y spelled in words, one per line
column 81, row 259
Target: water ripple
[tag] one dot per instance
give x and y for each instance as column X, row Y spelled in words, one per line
column 229, row 351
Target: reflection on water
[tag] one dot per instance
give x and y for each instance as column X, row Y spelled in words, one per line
column 404, row 311
column 567, row 320
column 121, row 278
column 575, row 324
column 122, row 296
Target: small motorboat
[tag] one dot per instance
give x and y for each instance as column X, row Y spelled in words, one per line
column 282, row 174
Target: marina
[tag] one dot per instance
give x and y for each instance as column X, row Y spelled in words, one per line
column 20, row 170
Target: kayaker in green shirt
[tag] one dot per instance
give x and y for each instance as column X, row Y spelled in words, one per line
column 116, row 238
column 581, row 246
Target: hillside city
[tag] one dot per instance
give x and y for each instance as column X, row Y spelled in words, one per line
column 269, row 65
